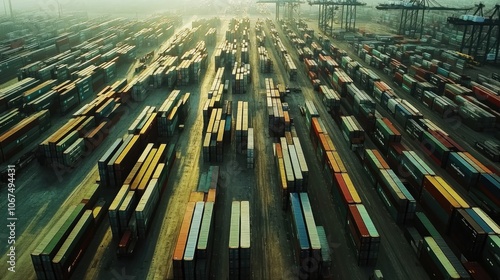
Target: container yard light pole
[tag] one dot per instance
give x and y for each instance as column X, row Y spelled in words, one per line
column 59, row 8
column 10, row 9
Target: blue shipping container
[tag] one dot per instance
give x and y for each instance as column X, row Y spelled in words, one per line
column 462, row 171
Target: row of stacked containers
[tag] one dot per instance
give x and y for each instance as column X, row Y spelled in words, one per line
column 466, row 226
column 193, row 247
column 52, row 85
column 362, row 231
column 143, row 177
column 62, row 248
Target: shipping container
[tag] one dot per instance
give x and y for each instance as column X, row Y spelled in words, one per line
column 146, row 207
column 302, row 161
column 234, row 241
column 189, row 262
column 389, row 189
column 182, row 238
column 73, row 248
column 126, row 210
column 476, row 271
column 363, row 234
column 115, row 205
column 413, row 169
column 205, row 243
column 426, row 229
column 439, row 204
column 325, row 265
column 110, row 171
column 462, row 171
column 467, row 233
column 36, row 256
column 434, row 148
column 373, row 162
column 300, row 240
column 312, row 233
column 435, row 262
column 344, row 193
column 489, row 256
column 45, row 252
column 245, row 248
column 489, row 186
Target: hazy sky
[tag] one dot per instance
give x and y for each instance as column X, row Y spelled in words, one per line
column 107, row 6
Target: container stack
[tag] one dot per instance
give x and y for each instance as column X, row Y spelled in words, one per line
column 250, row 149
column 183, row 73
column 60, row 251
column 23, row 133
column 211, row 36
column 392, row 191
column 219, row 86
column 358, row 99
column 9, row 118
column 221, row 54
column 240, row 78
column 172, row 113
column 366, row 237
column 413, row 169
column 385, row 133
column 440, row 201
column 293, row 172
column 474, row 116
column 54, row 146
column 489, row 149
column 193, row 248
column 331, row 99
column 437, row 259
column 242, row 122
column 120, row 158
column 132, row 210
column 353, row 132
column 244, row 52
column 326, row 266
column 290, row 67
column 306, row 242
column 340, row 80
column 140, row 83
column 205, row 242
column 164, row 74
column 213, row 140
column 140, row 121
column 278, row 118
column 12, row 93
column 234, row 241
column 239, row 241
column 189, row 263
column 311, row 113
column 146, row 207
column 265, row 62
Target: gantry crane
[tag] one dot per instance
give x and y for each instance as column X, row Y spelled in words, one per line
column 328, row 9
column 291, row 7
column 410, row 10
column 477, row 38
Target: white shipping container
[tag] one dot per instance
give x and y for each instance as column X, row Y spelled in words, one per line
column 146, row 207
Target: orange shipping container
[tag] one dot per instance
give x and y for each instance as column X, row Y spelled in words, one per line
column 180, row 245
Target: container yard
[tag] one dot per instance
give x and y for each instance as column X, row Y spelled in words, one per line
column 250, row 140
